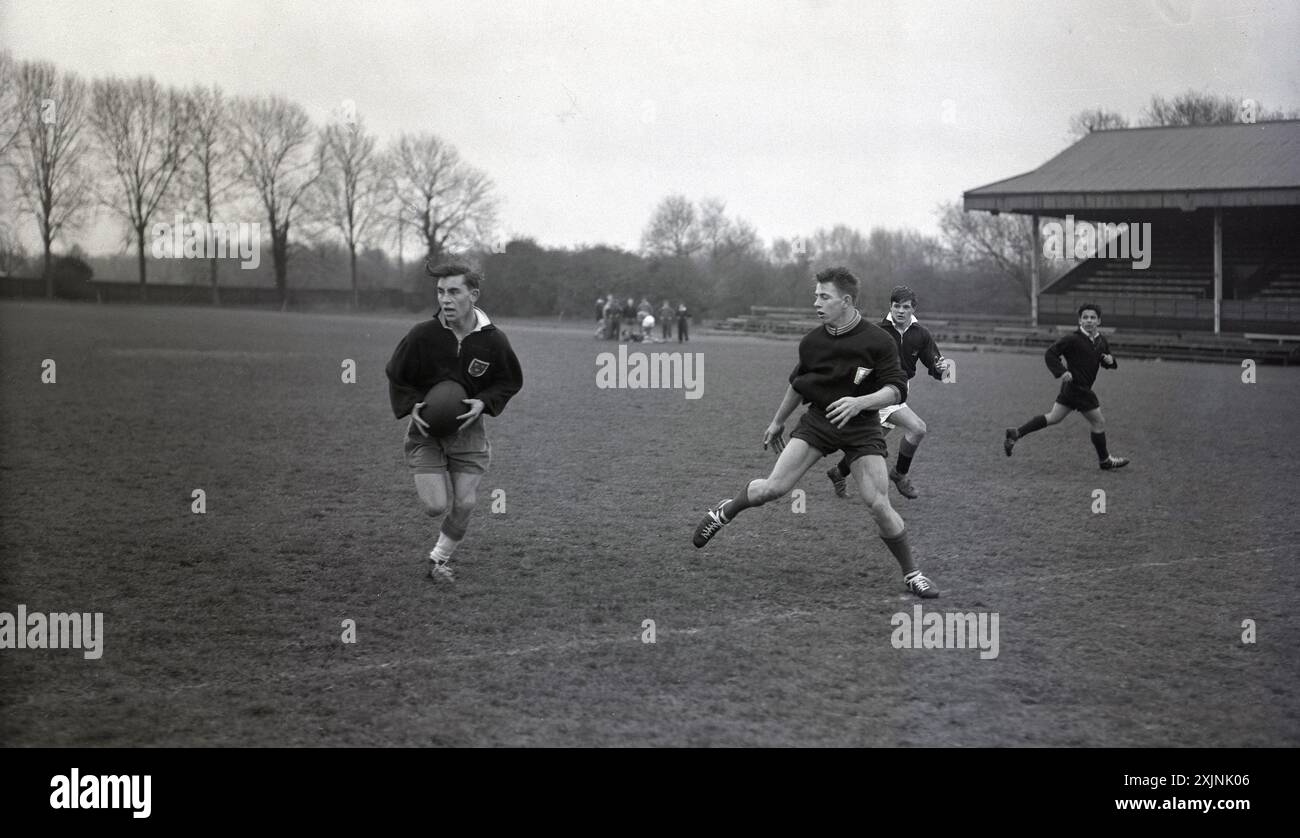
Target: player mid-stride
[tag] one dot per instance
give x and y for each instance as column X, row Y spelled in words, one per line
column 914, row 343
column 848, row 369
column 1084, row 351
column 460, row 344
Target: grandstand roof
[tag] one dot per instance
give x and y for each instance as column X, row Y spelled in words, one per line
column 1183, row 167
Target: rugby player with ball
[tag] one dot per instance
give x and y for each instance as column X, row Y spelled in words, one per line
column 445, row 374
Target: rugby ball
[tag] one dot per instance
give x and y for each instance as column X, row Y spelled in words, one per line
column 442, row 404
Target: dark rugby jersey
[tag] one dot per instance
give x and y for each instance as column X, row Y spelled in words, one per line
column 1083, row 356
column 914, row 343
column 857, row 362
column 484, row 363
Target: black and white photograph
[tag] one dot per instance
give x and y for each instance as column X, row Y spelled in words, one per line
column 571, row 374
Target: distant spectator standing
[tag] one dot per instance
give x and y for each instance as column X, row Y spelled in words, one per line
column 666, row 321
column 613, row 318
column 629, row 318
column 645, row 309
column 683, row 318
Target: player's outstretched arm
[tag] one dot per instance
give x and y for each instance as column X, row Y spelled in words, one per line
column 933, row 358
column 774, row 434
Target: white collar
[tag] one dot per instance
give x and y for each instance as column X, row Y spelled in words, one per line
column 480, row 320
column 908, row 325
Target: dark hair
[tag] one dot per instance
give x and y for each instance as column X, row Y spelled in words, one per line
column 472, row 277
column 844, row 282
column 1087, row 306
column 902, row 294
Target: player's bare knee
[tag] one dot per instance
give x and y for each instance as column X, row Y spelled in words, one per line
column 434, row 509
column 766, row 491
column 919, row 431
column 879, row 507
column 465, row 505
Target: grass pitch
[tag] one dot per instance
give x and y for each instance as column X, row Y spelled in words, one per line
column 1123, row 628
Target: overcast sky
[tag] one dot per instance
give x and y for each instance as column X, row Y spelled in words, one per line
column 798, row 114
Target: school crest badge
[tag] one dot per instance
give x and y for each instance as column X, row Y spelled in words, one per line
column 861, row 375
column 478, row 367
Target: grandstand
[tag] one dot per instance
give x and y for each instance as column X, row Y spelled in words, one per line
column 980, row 332
column 1223, row 205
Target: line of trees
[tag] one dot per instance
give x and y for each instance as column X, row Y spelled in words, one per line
column 145, row 152
column 332, row 198
column 1190, row 107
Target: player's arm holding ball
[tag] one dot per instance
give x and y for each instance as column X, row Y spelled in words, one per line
column 507, row 379
column 405, row 397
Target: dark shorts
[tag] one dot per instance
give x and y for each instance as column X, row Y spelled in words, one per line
column 857, row 439
column 468, row 451
column 1077, row 398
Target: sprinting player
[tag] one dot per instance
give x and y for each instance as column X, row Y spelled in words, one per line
column 914, row 343
column 1084, row 351
column 459, row 344
column 848, row 369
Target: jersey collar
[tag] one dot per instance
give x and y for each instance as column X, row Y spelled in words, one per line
column 890, row 321
column 848, row 327
column 481, row 320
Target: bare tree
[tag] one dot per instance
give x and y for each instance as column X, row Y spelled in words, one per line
column 52, row 181
column 1084, row 123
column 674, row 229
column 840, row 245
column 274, row 141
column 714, row 226
column 213, row 170
column 10, row 117
column 998, row 243
column 1191, row 108
column 13, row 256
column 143, row 132
column 350, row 189
column 725, row 238
column 742, row 240
column 449, row 202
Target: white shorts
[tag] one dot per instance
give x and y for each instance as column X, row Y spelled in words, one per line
column 886, row 411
